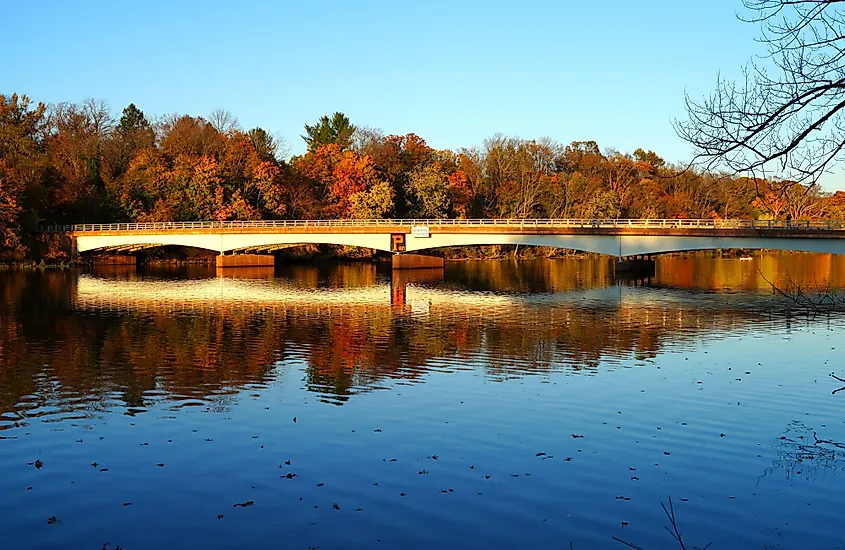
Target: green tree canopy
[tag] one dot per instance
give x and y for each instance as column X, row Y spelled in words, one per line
column 336, row 129
column 132, row 120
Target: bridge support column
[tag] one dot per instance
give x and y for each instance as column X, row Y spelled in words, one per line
column 124, row 259
column 401, row 278
column 416, row 261
column 246, row 260
column 638, row 266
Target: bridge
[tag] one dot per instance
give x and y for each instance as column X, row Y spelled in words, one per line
column 241, row 242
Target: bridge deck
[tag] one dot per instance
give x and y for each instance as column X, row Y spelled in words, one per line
column 680, row 227
column 612, row 237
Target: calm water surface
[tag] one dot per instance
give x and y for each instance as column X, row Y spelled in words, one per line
column 496, row 405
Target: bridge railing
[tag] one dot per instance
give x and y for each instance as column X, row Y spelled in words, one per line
column 517, row 223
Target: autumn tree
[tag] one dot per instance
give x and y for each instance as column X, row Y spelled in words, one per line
column 78, row 169
column 183, row 134
column 788, row 200
column 11, row 193
column 22, row 162
column 336, row 130
column 428, row 187
column 339, row 176
column 521, row 172
column 396, row 158
column 834, row 206
column 266, row 146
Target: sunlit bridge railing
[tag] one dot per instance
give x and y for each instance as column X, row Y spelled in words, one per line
column 796, row 225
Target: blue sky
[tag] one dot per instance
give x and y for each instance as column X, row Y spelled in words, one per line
column 452, row 72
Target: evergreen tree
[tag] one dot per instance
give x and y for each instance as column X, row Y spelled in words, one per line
column 337, row 130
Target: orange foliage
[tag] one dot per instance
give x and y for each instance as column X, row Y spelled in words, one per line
column 460, row 193
column 341, row 174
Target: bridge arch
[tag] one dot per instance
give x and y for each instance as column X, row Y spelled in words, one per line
column 227, row 242
column 630, row 245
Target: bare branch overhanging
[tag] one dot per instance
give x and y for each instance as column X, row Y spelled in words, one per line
column 784, row 118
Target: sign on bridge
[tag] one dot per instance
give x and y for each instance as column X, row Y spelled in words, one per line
column 420, row 231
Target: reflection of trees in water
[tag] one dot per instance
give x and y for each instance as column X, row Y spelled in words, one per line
column 708, row 273
column 802, row 454
column 136, row 351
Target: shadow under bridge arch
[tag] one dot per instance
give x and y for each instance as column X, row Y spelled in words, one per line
column 630, row 245
column 226, row 242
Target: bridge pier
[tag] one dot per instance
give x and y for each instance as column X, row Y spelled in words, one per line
column 417, row 261
column 246, row 260
column 401, row 278
column 640, row 266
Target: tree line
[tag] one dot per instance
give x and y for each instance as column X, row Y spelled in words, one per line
column 78, row 163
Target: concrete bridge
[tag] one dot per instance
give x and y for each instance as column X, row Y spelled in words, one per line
column 241, row 242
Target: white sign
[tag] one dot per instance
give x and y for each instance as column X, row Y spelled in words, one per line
column 420, row 231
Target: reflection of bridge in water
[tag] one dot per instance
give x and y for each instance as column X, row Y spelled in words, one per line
column 344, row 326
column 105, row 293
column 416, row 291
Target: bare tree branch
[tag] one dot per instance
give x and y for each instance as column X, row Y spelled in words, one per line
column 784, row 119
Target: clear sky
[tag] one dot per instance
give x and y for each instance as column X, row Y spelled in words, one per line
column 613, row 71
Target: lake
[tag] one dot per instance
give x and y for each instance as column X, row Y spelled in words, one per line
column 494, row 404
